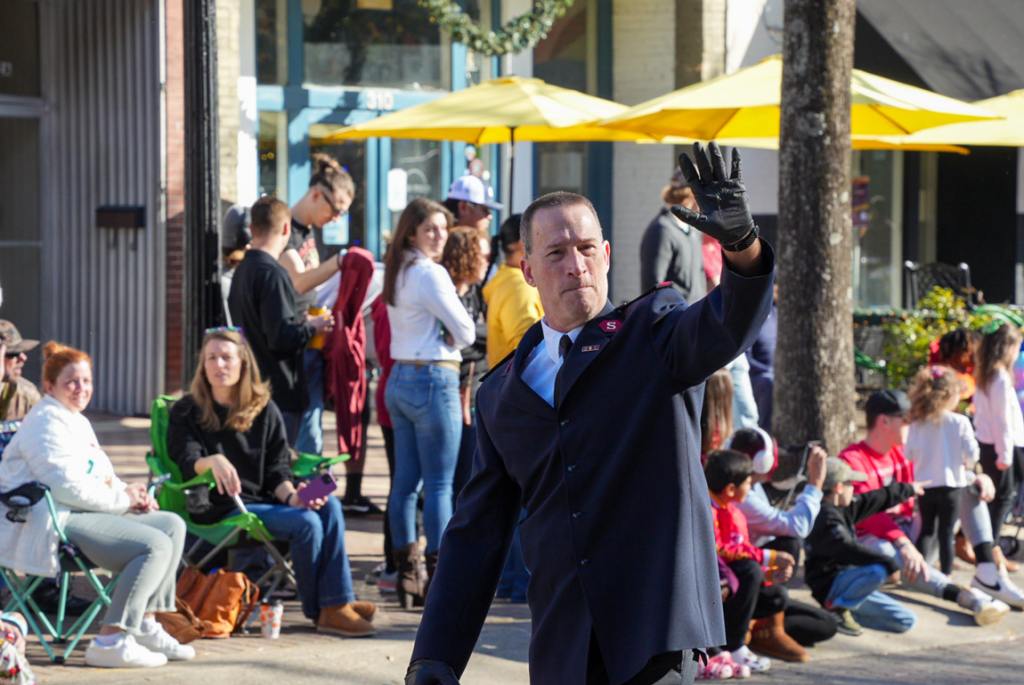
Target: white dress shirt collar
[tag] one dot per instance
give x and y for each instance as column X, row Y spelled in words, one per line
column 551, row 338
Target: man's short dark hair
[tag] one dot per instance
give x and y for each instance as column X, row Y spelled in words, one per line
column 726, row 467
column 885, row 403
column 267, row 215
column 559, row 198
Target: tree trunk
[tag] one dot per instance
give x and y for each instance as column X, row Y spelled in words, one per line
column 814, row 389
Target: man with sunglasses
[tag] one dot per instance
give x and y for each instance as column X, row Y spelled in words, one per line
column 17, row 393
column 328, row 198
column 468, row 200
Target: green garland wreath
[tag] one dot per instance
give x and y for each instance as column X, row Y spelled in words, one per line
column 520, row 33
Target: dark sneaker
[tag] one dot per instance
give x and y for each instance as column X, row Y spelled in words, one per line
column 360, row 506
column 846, row 623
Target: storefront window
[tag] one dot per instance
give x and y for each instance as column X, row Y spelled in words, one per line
column 273, row 148
column 878, row 237
column 386, row 43
column 272, row 42
column 563, row 59
column 352, row 228
column 19, row 50
column 478, row 67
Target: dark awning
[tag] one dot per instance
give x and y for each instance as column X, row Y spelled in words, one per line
column 964, row 49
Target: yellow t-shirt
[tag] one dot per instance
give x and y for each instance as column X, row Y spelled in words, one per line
column 513, row 305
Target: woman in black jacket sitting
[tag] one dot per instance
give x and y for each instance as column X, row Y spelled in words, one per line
column 229, row 425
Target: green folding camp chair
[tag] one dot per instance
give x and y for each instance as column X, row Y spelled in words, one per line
column 230, row 531
column 18, row 501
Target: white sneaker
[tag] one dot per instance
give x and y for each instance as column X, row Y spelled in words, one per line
column 387, row 584
column 986, row 610
column 744, row 657
column 125, row 653
column 1003, row 589
column 373, row 576
column 161, row 642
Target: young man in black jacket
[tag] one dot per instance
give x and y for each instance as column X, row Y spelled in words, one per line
column 844, row 575
column 262, row 303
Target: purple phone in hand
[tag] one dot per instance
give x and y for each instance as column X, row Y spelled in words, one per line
column 320, row 485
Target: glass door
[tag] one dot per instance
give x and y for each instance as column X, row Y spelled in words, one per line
column 20, row 240
column 20, row 231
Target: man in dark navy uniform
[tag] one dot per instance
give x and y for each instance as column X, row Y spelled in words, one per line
column 592, row 426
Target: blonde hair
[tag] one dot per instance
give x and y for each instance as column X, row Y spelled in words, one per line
column 932, row 391
column 716, row 414
column 251, row 393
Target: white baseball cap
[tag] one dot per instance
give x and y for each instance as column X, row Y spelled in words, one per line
column 469, row 188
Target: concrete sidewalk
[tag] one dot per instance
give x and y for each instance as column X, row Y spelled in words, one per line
column 945, row 647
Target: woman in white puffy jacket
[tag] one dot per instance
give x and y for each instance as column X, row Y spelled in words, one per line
column 114, row 524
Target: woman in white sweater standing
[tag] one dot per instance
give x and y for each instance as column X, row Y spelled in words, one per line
column 429, row 326
column 997, row 417
column 114, row 524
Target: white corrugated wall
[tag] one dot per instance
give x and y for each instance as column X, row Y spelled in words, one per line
column 103, row 289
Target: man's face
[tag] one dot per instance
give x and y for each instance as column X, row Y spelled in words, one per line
column 845, row 494
column 474, row 215
column 14, row 362
column 332, row 205
column 892, row 428
column 568, row 264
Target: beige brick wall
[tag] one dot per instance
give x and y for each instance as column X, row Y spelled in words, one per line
column 643, row 32
column 227, row 97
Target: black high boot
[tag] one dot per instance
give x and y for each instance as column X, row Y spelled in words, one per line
column 412, row 576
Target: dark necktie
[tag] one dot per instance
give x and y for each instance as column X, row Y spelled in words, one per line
column 564, row 343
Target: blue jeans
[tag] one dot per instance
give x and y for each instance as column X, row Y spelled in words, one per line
column 424, row 405
column 856, row 589
column 310, row 437
column 317, row 543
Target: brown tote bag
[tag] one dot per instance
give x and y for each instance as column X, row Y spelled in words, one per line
column 221, row 601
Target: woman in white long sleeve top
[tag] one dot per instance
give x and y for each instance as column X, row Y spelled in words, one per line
column 997, row 418
column 114, row 524
column 429, row 326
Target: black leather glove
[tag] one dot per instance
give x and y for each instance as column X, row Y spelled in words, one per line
column 723, row 206
column 430, row 672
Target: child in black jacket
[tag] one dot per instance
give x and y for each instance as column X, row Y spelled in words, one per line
column 843, row 574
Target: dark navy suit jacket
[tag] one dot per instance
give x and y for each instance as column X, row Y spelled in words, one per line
column 618, row 534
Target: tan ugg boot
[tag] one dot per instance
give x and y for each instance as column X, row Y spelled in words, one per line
column 345, row 621
column 768, row 637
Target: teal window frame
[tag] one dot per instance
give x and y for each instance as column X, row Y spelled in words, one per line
column 307, row 104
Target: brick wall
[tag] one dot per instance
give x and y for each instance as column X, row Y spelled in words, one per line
column 643, row 32
column 175, row 195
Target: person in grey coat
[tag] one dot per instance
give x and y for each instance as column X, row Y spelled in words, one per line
column 671, row 249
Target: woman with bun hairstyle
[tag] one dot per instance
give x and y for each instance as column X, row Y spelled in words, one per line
column 115, row 524
column 229, row 425
column 327, row 199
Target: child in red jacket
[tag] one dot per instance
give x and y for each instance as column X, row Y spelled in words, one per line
column 728, row 476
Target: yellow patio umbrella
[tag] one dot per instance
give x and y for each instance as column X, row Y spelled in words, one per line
column 856, row 143
column 1005, row 132
column 505, row 110
column 746, row 104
